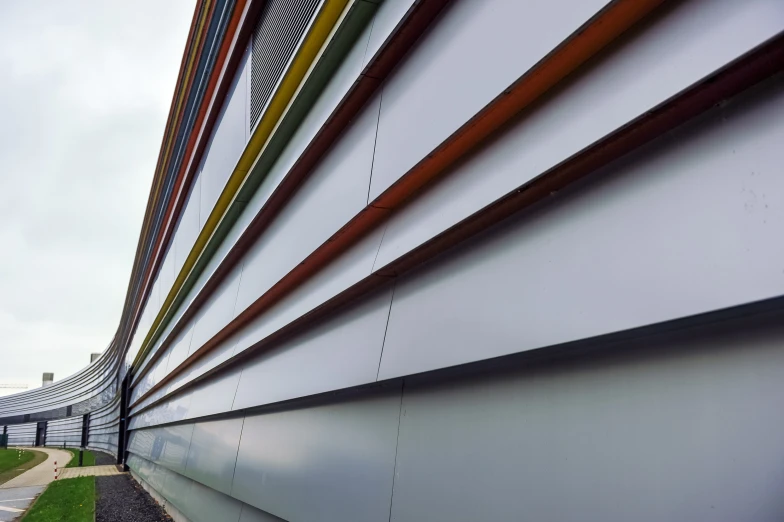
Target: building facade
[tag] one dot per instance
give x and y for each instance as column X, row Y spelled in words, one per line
column 455, row 260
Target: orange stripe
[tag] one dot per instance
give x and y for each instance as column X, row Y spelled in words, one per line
column 149, row 209
column 419, row 17
column 178, row 105
column 182, row 100
column 605, row 27
column 184, row 81
column 586, row 42
column 219, row 64
column 176, row 203
column 134, row 314
column 571, row 54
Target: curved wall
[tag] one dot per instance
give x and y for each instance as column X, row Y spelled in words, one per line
column 477, row 260
column 21, row 434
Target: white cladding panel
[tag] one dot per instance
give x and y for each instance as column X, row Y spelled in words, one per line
column 689, row 224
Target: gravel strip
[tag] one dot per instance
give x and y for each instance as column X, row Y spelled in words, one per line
column 122, row 499
column 103, row 459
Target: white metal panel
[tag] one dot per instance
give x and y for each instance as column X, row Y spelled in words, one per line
column 140, row 442
column 146, row 361
column 202, row 365
column 166, row 275
column 176, row 442
column 153, row 377
column 213, row 453
column 338, row 276
column 175, row 490
column 172, row 410
column 207, row 505
column 690, row 41
column 154, row 301
column 143, row 467
column 183, row 344
column 144, row 384
column 215, row 395
column 180, row 348
column 157, row 475
column 175, row 319
column 211, row 324
column 226, row 144
column 335, row 192
column 143, row 326
column 188, row 227
column 474, row 52
column 138, row 405
column 343, row 272
column 218, row 311
column 663, row 430
column 687, row 225
column 327, row 463
column 145, row 320
column 341, row 353
column 166, row 334
column 195, row 501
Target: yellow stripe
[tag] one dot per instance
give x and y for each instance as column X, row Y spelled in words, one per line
column 321, row 29
column 178, row 104
column 157, row 178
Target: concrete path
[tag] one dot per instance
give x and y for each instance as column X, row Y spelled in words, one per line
column 14, row 501
column 90, row 471
column 42, row 474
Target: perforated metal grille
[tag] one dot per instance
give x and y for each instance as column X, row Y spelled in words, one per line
column 280, row 28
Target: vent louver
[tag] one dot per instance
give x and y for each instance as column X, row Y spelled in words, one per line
column 281, row 26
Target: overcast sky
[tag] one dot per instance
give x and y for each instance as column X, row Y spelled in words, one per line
column 85, row 88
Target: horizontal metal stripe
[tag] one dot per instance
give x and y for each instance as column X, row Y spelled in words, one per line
column 728, row 82
column 582, row 45
column 316, row 38
column 164, row 182
column 350, row 29
column 228, row 58
column 421, row 15
column 175, row 113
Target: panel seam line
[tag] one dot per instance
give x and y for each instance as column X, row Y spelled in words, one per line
column 237, row 457
column 375, row 141
column 386, row 329
column 397, row 447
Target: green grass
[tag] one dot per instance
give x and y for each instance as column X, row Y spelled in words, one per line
column 88, row 459
column 11, row 465
column 9, row 458
column 68, row 500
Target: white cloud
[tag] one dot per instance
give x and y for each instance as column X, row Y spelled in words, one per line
column 84, row 96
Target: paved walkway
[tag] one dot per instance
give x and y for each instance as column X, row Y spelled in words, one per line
column 42, row 474
column 14, row 501
column 90, row 471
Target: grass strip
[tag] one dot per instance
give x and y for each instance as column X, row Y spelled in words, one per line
column 14, row 463
column 12, row 458
column 68, row 500
column 88, row 458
